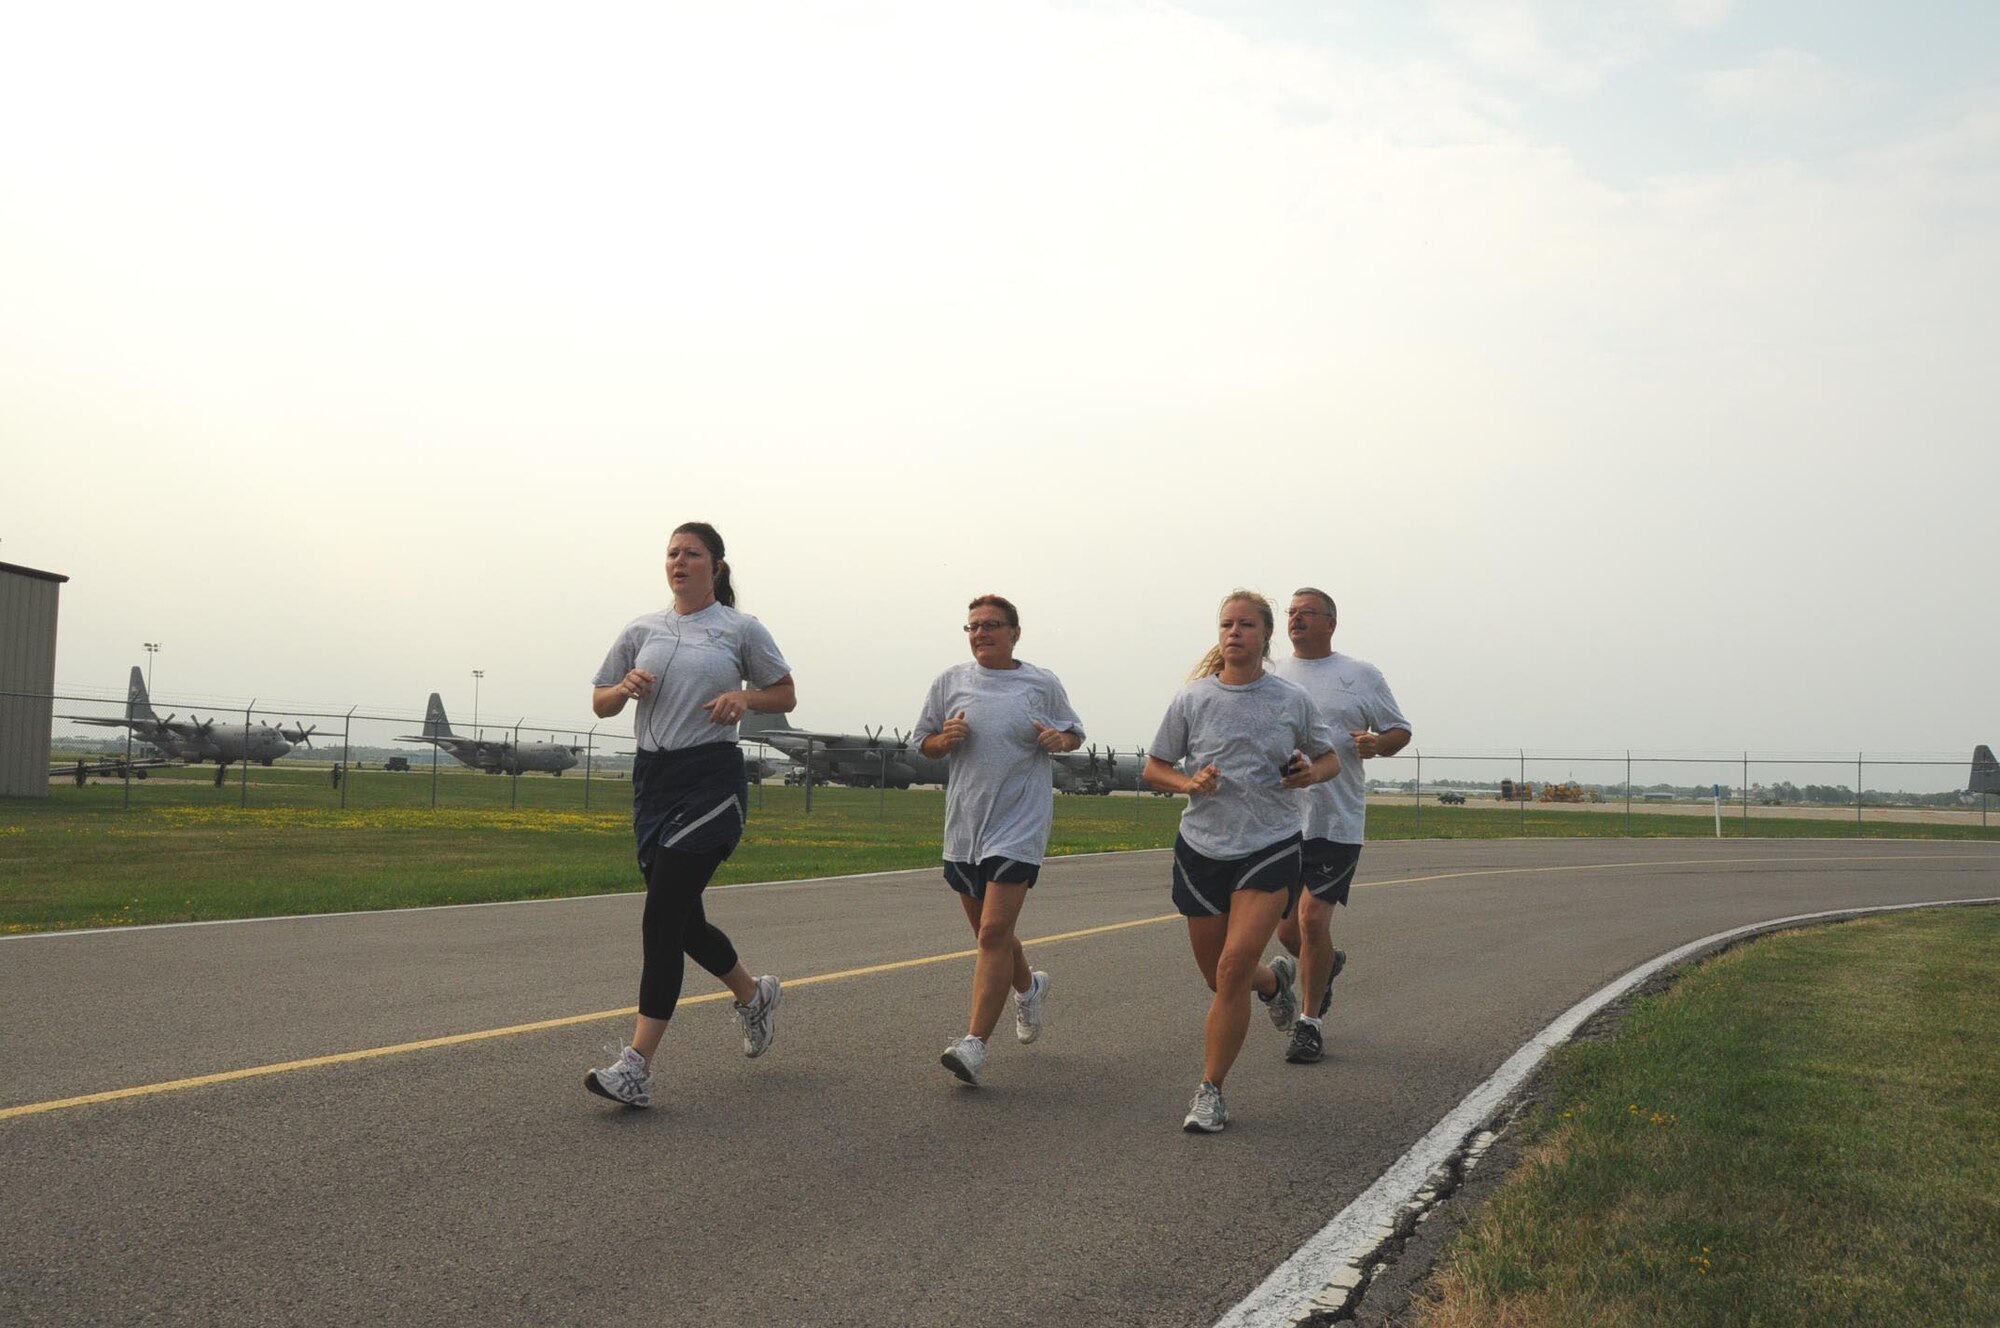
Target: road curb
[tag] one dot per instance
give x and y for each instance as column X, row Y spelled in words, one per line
column 1329, row 1274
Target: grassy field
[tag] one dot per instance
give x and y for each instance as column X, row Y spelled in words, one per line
column 185, row 853
column 186, row 850
column 1805, row 1130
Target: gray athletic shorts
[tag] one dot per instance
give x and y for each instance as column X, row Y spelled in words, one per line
column 1329, row 870
column 1203, row 885
column 971, row 878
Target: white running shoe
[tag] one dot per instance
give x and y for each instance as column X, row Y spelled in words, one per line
column 965, row 1058
column 756, row 1018
column 1326, row 997
column 627, row 1080
column 1028, row 1008
column 1206, row 1114
column 1283, row 1004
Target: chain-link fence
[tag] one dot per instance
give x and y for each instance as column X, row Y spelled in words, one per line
column 181, row 751
column 1734, row 791
column 175, row 750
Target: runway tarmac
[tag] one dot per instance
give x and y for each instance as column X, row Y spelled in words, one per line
column 842, row 1179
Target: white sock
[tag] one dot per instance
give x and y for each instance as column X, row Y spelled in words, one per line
column 1309, row 1019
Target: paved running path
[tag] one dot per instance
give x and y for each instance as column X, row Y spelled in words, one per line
column 843, row 1178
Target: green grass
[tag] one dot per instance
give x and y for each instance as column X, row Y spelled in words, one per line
column 187, row 850
column 1805, row 1130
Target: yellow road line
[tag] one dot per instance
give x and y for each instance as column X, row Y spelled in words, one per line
column 540, row 1025
column 458, row 1039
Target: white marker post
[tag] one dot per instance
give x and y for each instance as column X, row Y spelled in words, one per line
column 1718, row 811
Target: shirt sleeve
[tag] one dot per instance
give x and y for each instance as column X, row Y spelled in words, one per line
column 1315, row 734
column 618, row 663
column 932, row 717
column 1383, row 712
column 1170, row 744
column 1062, row 715
column 762, row 664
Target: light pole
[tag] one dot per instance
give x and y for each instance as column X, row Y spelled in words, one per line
column 152, row 649
column 477, row 674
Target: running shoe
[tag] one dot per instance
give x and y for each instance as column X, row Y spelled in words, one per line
column 1326, row 997
column 1306, row 1047
column 1028, row 1008
column 756, row 1018
column 626, row 1080
column 1283, row 1004
column 1206, row 1114
column 965, row 1058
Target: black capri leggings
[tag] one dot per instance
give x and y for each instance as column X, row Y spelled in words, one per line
column 675, row 926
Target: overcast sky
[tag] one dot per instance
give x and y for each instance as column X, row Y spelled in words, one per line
column 1615, row 365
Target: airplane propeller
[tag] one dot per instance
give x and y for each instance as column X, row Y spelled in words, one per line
column 299, row 733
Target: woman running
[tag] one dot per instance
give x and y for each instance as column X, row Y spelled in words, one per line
column 996, row 720
column 686, row 666
column 1252, row 739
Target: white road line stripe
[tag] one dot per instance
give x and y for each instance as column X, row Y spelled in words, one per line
column 811, row 882
column 1287, row 1295
column 638, row 891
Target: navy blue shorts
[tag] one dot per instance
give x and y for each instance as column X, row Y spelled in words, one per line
column 971, row 878
column 1330, row 869
column 1203, row 885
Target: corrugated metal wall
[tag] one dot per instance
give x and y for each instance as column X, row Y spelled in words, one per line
column 27, row 664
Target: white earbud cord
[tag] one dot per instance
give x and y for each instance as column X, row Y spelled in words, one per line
column 652, row 703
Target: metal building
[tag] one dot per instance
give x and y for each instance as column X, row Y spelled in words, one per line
column 27, row 678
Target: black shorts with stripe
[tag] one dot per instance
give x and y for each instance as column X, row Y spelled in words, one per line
column 1203, row 885
column 971, row 878
column 1330, row 868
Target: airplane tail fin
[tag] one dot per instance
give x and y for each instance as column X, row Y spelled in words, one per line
column 435, row 724
column 1985, row 771
column 754, row 723
column 137, row 704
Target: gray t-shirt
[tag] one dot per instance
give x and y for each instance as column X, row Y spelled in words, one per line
column 1248, row 733
column 1000, row 795
column 696, row 659
column 1350, row 694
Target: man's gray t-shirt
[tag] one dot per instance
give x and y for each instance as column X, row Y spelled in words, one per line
column 1000, row 797
column 1248, row 732
column 1350, row 694
column 696, row 659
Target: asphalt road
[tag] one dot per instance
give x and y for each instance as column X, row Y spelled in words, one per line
column 844, row 1178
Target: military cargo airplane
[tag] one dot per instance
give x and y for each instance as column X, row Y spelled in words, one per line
column 1090, row 772
column 496, row 756
column 863, row 759
column 195, row 739
column 1985, row 771
column 867, row 759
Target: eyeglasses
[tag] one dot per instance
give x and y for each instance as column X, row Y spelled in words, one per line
column 1307, row 613
column 972, row 627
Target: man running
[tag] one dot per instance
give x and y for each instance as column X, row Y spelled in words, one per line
column 1355, row 701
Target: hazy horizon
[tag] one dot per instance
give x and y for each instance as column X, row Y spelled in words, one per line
column 1620, row 370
